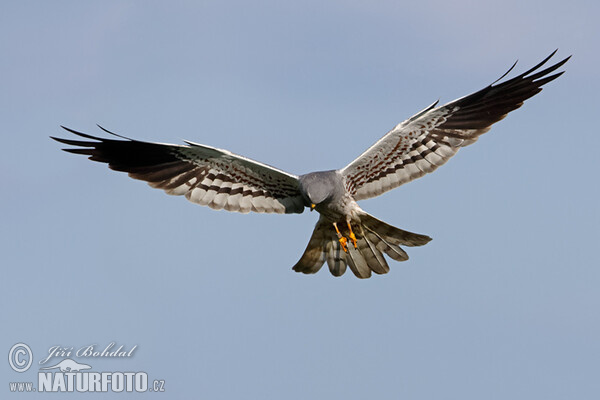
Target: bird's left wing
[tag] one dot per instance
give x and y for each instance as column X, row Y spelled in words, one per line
column 204, row 175
column 428, row 139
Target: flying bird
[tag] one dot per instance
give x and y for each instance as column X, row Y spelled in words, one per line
column 345, row 235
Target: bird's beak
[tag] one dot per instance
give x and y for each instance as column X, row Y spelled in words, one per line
column 312, row 206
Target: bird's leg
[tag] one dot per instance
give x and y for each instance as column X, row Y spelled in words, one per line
column 342, row 239
column 352, row 236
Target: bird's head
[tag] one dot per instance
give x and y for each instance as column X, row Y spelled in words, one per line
column 317, row 188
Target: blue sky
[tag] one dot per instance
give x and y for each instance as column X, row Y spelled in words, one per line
column 503, row 303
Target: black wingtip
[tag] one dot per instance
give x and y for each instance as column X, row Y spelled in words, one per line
column 544, row 61
column 85, row 135
column 87, row 152
column 506, row 73
column 548, row 70
column 528, row 74
column 112, row 133
column 71, row 142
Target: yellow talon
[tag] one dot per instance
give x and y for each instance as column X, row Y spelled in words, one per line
column 343, row 242
column 352, row 236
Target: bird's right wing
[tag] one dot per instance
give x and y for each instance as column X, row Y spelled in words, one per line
column 204, row 175
column 428, row 139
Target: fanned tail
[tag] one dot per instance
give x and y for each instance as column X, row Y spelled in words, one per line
column 373, row 239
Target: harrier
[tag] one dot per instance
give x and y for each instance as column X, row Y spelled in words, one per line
column 345, row 235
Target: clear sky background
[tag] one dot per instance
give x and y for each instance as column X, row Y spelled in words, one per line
column 502, row 304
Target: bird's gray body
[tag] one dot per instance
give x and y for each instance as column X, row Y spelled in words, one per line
column 345, row 235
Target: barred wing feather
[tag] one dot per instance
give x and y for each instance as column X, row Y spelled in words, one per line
column 204, row 175
column 431, row 137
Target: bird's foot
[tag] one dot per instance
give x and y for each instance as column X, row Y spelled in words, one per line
column 352, row 236
column 342, row 239
column 344, row 243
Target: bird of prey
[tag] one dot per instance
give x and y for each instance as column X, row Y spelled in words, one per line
column 345, row 235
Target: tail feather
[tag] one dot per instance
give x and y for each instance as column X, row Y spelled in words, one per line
column 392, row 234
column 394, row 251
column 374, row 238
column 357, row 262
column 316, row 251
column 373, row 255
column 335, row 259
